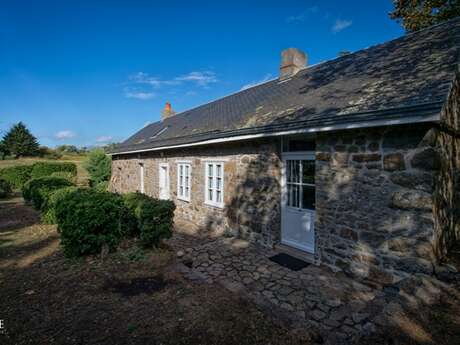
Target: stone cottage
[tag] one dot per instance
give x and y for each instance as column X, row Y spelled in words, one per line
column 351, row 162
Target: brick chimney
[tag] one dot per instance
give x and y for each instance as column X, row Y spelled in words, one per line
column 292, row 61
column 167, row 111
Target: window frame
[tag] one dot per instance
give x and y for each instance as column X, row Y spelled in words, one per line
column 214, row 177
column 183, row 196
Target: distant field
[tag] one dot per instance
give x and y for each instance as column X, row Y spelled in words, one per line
column 82, row 174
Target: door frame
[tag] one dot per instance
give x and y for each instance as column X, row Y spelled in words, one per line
column 168, row 194
column 300, row 155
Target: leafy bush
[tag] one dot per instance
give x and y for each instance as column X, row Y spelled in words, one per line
column 154, row 217
column 88, row 219
column 65, row 174
column 102, row 186
column 16, row 176
column 98, row 165
column 5, row 188
column 38, row 190
column 54, row 198
column 41, row 169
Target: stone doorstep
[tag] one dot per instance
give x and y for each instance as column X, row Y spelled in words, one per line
column 297, row 253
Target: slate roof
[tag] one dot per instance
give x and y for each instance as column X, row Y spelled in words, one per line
column 407, row 76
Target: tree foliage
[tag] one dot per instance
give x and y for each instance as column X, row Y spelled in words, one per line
column 19, row 142
column 419, row 14
column 98, row 165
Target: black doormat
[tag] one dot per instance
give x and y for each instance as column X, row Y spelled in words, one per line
column 288, row 261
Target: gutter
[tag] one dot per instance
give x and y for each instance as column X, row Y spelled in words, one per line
column 388, row 117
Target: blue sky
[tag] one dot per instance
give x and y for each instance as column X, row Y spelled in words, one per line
column 90, row 72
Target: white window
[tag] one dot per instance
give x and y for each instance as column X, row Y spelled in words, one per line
column 214, row 193
column 141, row 180
column 184, row 177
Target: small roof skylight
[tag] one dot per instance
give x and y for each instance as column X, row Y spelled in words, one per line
column 157, row 134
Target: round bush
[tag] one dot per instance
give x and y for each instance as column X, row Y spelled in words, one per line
column 49, row 206
column 38, row 190
column 42, row 169
column 16, row 176
column 5, row 188
column 88, row 219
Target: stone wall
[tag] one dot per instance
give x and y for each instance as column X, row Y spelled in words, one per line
column 447, row 192
column 374, row 216
column 374, row 201
column 251, row 186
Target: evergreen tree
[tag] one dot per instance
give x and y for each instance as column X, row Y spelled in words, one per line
column 99, row 166
column 20, row 142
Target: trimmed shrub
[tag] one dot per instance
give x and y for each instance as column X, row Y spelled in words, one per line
column 16, row 176
column 38, row 190
column 99, row 166
column 65, row 174
column 155, row 218
column 88, row 219
column 102, row 186
column 5, row 188
column 41, row 169
column 54, row 198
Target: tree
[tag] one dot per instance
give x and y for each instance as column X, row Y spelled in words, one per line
column 98, row 165
column 419, row 14
column 20, row 142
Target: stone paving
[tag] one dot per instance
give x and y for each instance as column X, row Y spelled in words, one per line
column 333, row 303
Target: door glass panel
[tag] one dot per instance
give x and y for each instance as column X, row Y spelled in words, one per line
column 308, row 172
column 308, row 197
column 293, row 171
column 293, row 195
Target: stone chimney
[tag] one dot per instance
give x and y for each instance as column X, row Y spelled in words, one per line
column 292, row 61
column 167, row 111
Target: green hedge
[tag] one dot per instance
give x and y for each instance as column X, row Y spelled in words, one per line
column 88, row 219
column 16, row 176
column 5, row 188
column 41, row 169
column 155, row 218
column 65, row 174
column 38, row 190
column 49, row 205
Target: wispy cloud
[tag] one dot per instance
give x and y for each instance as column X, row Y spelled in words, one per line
column 141, row 85
column 341, row 24
column 104, row 139
column 138, row 94
column 302, row 16
column 200, row 78
column 256, row 82
column 66, row 134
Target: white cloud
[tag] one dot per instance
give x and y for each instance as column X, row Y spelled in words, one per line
column 104, row 139
column 138, row 94
column 200, row 78
column 66, row 134
column 302, row 16
column 341, row 24
column 257, row 82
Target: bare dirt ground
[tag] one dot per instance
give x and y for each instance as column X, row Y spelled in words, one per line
column 134, row 296
column 130, row 297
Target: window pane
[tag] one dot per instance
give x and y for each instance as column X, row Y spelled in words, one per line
column 308, row 197
column 210, row 186
column 181, row 191
column 219, row 184
column 219, row 170
column 308, row 172
column 295, row 177
column 293, row 195
column 187, row 193
column 210, row 194
column 210, row 166
column 219, row 196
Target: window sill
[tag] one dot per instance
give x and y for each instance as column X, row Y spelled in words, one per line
column 214, row 205
column 183, row 199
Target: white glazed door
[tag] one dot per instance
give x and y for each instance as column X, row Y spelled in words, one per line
column 298, row 202
column 164, row 182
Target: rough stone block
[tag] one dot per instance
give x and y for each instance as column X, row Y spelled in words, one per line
column 393, row 162
column 367, row 157
column 426, row 158
column 412, row 200
column 349, row 234
column 323, row 156
column 415, row 179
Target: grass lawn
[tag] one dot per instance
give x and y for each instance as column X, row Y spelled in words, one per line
column 82, row 174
